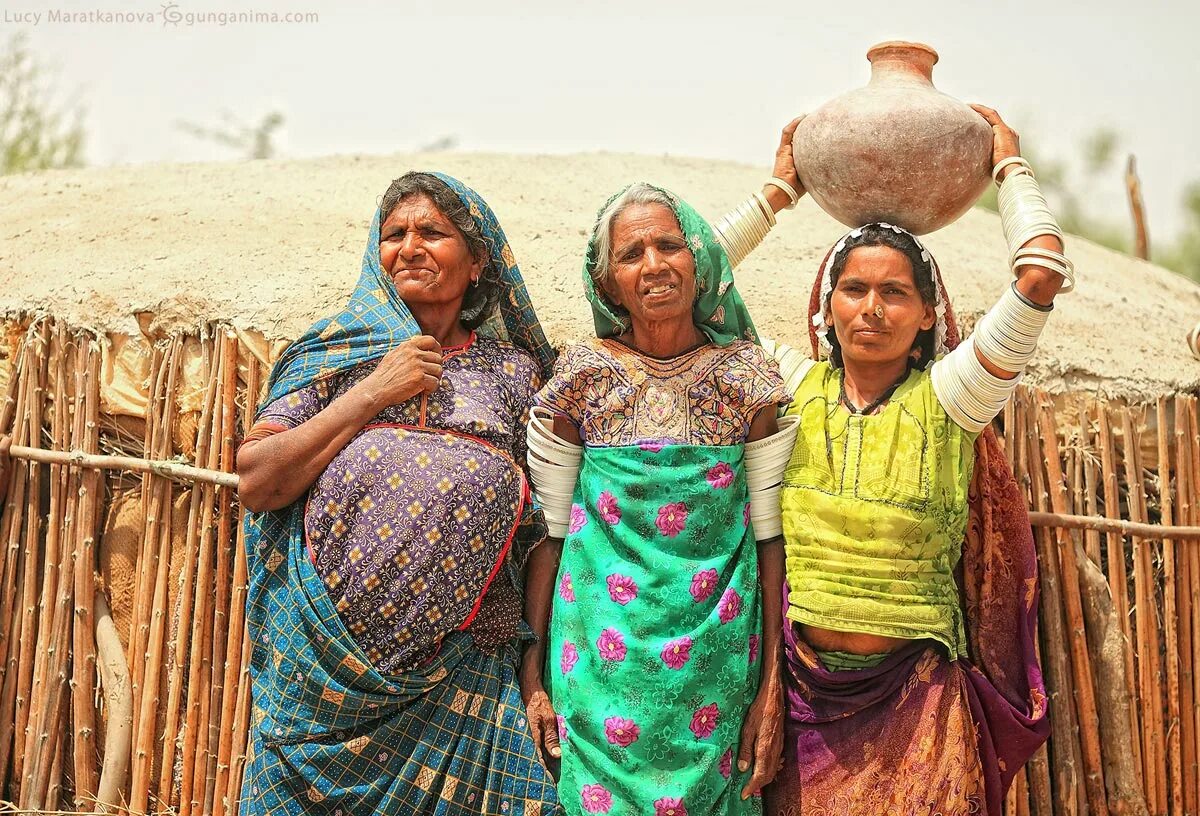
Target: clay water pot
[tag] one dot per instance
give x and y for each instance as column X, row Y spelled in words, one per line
column 897, row 150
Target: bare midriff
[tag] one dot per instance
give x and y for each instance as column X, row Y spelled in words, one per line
column 829, row 640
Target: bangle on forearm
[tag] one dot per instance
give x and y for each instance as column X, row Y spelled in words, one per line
column 1025, row 215
column 743, row 229
column 788, row 190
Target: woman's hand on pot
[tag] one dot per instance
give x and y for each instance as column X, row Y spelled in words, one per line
column 761, row 744
column 1005, row 142
column 784, row 168
column 413, row 367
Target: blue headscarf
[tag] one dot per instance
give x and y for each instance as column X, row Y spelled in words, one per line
column 375, row 319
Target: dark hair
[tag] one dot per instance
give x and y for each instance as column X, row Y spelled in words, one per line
column 925, row 344
column 482, row 296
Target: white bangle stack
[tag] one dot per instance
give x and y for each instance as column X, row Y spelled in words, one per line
column 968, row 393
column 766, row 461
column 553, row 469
column 1025, row 215
column 793, row 366
column 741, row 230
column 1008, row 334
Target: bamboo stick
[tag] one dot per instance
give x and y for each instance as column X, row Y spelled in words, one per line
column 1185, row 489
column 171, row 470
column 1118, row 579
column 1039, row 764
column 1085, row 700
column 1170, row 619
column 1088, row 459
column 1148, row 667
column 221, row 611
column 1190, row 451
column 54, row 668
column 185, row 610
column 1056, row 661
column 241, row 718
column 15, row 559
column 36, row 347
column 147, row 563
column 1021, row 786
column 37, row 744
column 84, row 651
column 195, row 745
column 160, row 526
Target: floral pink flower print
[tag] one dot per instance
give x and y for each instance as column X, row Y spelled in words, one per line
column 704, row 583
column 562, row 727
column 672, row 518
column 611, row 644
column 746, row 515
column 607, row 506
column 704, row 720
column 677, row 652
column 730, row 605
column 753, row 648
column 596, row 799
column 653, row 447
column 622, row 588
column 566, row 588
column 578, row 519
column 726, row 766
column 620, row 731
column 720, row 475
column 669, row 807
column 570, row 656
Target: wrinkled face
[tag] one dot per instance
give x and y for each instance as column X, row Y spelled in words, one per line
column 426, row 256
column 877, row 280
column 652, row 273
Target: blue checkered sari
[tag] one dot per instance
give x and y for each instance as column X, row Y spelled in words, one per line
column 330, row 734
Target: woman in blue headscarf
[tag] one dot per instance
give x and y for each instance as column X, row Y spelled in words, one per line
column 390, row 524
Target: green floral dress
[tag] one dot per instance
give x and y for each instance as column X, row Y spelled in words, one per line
column 653, row 643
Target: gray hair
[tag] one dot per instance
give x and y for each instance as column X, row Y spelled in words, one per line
column 480, row 298
column 637, row 193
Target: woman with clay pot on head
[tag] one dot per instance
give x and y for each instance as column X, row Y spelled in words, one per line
column 657, row 677
column 911, row 583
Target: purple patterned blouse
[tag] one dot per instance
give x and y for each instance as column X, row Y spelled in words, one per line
column 412, row 522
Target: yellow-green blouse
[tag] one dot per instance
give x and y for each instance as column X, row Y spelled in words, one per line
column 875, row 511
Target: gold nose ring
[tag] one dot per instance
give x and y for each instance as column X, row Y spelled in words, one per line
column 879, row 311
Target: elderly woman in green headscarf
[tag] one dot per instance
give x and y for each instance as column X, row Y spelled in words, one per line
column 660, row 649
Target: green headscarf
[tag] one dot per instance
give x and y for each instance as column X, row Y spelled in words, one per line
column 718, row 311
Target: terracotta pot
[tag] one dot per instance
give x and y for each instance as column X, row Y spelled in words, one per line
column 896, row 150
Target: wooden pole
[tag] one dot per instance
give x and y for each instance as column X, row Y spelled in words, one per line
column 221, row 611
column 83, row 710
column 1056, row 660
column 1089, row 459
column 1133, row 186
column 1038, row 768
column 12, row 515
column 1185, row 481
column 1118, row 579
column 1085, row 700
column 160, row 527
column 1189, row 449
column 241, row 711
column 171, row 470
column 1170, row 617
column 1149, row 670
column 185, row 610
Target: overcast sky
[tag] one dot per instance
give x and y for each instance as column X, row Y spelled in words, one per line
column 713, row 79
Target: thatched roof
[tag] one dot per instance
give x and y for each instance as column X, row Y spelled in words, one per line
column 273, row 245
